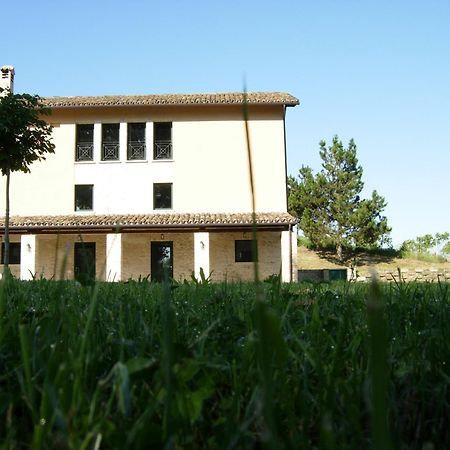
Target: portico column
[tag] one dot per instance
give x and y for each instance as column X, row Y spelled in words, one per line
column 114, row 257
column 286, row 256
column 201, row 254
column 28, row 251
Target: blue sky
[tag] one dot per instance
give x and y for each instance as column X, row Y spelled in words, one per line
column 375, row 71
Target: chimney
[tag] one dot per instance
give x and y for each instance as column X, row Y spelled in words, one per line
column 6, row 79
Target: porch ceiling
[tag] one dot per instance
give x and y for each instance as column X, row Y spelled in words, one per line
column 142, row 222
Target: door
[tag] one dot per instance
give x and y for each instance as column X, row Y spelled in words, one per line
column 162, row 260
column 84, row 261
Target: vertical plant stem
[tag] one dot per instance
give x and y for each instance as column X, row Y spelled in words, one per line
column 25, row 354
column 167, row 323
column 378, row 369
column 252, row 191
column 6, row 254
column 264, row 346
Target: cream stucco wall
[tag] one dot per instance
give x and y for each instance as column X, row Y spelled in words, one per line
column 209, row 170
column 49, row 186
column 211, row 166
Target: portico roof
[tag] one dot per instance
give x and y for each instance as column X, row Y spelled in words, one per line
column 145, row 222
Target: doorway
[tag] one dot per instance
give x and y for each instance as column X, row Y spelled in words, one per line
column 161, row 260
column 84, row 261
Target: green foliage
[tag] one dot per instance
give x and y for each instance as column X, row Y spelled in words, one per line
column 24, row 139
column 329, row 206
column 428, row 247
column 143, row 365
column 24, row 135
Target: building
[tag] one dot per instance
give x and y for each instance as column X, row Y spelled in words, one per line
column 139, row 184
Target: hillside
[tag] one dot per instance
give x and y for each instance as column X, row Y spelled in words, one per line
column 309, row 259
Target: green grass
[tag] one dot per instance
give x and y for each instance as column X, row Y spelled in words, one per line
column 142, row 365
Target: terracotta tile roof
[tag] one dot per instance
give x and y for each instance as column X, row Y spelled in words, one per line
column 231, row 98
column 82, row 221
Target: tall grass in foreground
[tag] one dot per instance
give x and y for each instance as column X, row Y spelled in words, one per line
column 137, row 366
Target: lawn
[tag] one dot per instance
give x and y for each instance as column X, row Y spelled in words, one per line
column 224, row 366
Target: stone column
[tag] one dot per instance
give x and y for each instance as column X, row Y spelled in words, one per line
column 123, row 141
column 149, row 141
column 97, row 142
column 114, row 257
column 201, row 254
column 28, row 253
column 294, row 247
column 286, row 256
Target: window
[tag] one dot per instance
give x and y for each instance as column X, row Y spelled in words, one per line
column 162, row 196
column 84, row 194
column 84, row 150
column 14, row 253
column 110, row 142
column 162, row 140
column 244, row 251
column 136, row 141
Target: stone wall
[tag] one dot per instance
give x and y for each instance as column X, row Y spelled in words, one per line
column 408, row 275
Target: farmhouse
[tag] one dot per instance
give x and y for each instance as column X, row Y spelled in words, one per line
column 143, row 184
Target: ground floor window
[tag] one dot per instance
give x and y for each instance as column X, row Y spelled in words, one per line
column 243, row 251
column 14, row 253
column 161, row 260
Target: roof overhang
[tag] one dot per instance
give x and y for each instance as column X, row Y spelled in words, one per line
column 139, row 223
column 231, row 98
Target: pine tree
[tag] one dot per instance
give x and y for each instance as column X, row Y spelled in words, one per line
column 329, row 206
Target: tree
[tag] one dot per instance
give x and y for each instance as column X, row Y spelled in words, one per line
column 329, row 206
column 24, row 139
column 427, row 245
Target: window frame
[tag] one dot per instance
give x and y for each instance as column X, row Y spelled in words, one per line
column 166, row 143
column 129, row 142
column 77, row 188
column 89, row 145
column 155, row 207
column 245, row 254
column 104, row 157
column 14, row 253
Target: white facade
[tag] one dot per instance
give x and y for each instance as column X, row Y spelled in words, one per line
column 207, row 172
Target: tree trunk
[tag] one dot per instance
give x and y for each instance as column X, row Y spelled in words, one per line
column 339, row 251
column 6, row 251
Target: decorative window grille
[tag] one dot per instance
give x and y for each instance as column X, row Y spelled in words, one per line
column 84, row 150
column 136, row 141
column 110, row 142
column 162, row 136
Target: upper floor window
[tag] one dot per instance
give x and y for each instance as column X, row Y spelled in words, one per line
column 162, row 137
column 162, row 196
column 84, row 150
column 84, row 197
column 136, row 141
column 110, row 142
column 14, row 253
